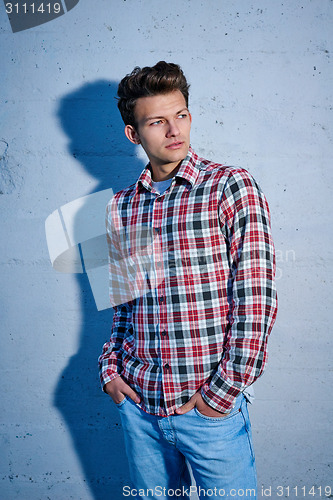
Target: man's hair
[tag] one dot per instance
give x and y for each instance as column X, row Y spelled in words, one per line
column 149, row 81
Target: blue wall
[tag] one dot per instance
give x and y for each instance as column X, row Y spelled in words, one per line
column 261, row 94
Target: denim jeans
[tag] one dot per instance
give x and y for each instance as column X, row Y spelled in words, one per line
column 219, row 451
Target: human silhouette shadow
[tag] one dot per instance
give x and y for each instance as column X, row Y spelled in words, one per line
column 92, row 122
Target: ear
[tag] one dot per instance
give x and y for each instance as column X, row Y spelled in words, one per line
column 132, row 134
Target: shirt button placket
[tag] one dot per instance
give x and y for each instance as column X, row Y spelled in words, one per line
column 157, row 218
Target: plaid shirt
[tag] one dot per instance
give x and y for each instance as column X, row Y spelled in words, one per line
column 205, row 324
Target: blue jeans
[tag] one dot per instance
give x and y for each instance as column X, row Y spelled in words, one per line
column 219, row 451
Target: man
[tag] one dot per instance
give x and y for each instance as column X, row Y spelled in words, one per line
column 184, row 352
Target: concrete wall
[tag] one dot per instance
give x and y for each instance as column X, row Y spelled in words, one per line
column 261, row 84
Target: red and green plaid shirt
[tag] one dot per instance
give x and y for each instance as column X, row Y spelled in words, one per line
column 204, row 321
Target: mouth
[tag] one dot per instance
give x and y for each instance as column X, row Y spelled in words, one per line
column 175, row 145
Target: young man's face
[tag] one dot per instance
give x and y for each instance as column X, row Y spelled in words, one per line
column 163, row 130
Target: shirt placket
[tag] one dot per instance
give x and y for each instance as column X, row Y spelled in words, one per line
column 159, row 210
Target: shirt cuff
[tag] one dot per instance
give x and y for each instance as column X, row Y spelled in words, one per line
column 223, row 404
column 107, row 377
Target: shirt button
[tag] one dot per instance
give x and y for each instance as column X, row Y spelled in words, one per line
column 161, row 298
column 157, row 230
column 167, row 366
column 163, row 333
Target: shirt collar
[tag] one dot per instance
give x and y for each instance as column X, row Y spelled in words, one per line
column 188, row 170
column 189, row 167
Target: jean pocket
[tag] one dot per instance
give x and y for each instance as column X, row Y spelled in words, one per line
column 222, row 418
column 235, row 411
column 122, row 402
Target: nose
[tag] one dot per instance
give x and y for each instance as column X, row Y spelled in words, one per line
column 173, row 129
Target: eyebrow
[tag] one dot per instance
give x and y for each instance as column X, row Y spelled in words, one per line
column 159, row 117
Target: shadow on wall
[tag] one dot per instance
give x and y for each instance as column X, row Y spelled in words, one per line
column 91, row 120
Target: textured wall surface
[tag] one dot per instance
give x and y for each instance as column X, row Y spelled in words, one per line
column 261, row 87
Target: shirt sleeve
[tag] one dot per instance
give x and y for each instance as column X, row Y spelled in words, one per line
column 110, row 361
column 252, row 298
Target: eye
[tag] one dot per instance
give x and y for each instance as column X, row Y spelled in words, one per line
column 183, row 115
column 157, row 122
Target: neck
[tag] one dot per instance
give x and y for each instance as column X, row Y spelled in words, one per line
column 164, row 172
